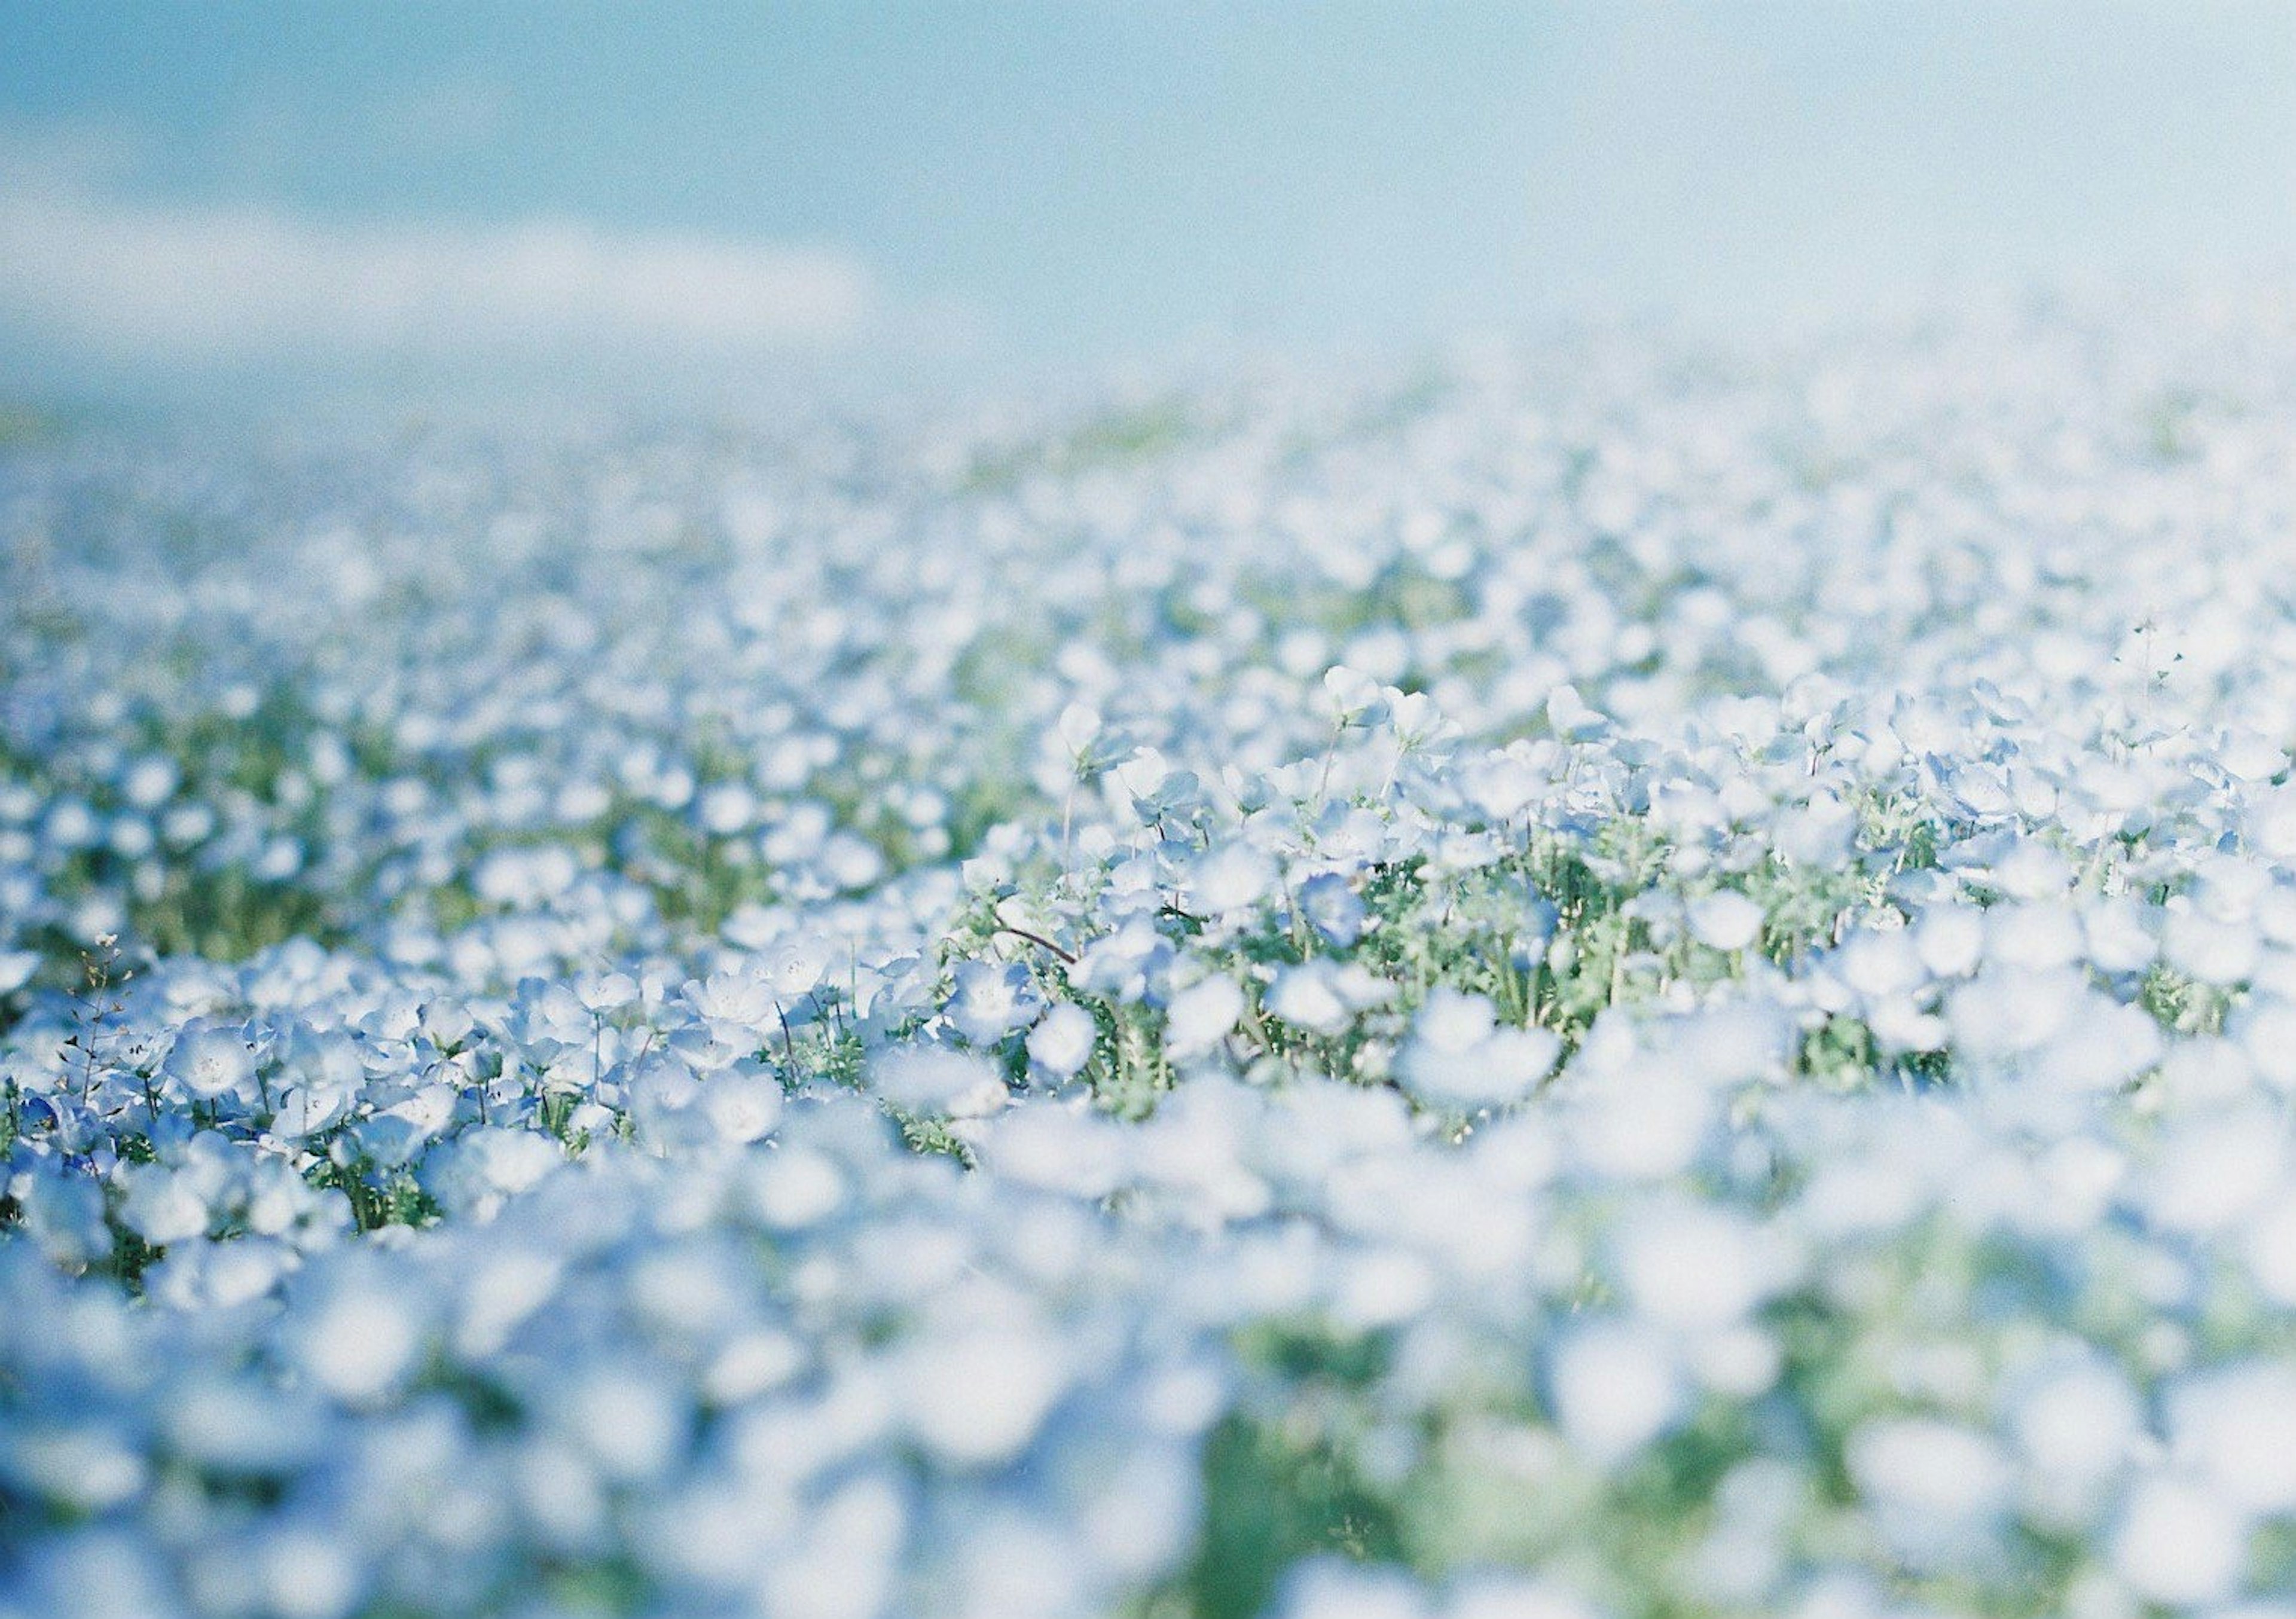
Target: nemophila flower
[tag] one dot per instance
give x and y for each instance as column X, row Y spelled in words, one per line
column 549, row 1018
column 2264, row 1027
column 1457, row 1057
column 1637, row 1128
column 938, row 1080
column 2235, row 1427
column 1122, row 962
column 1951, row 939
column 1935, row 1488
column 1331, row 906
column 1138, row 780
column 1419, row 726
column 1726, row 920
column 2202, row 947
column 1350, row 697
column 992, row 1000
column 473, row 1174
column 1569, row 716
column 1202, row 1015
column 1079, row 729
column 1082, row 1154
column 163, row 1205
column 2270, row 823
column 2177, row 1543
column 211, row 1060
column 742, row 1106
column 1489, row 1595
column 213, row 1275
column 447, row 1025
column 83, row 1467
column 2215, row 1169
column 1614, row 1387
column 795, row 968
column 396, row 1135
column 525, row 877
column 64, row 1214
column 1324, row 996
column 308, row 1108
column 301, row 1570
column 2006, row 1012
column 359, row 1337
column 623, row 1419
column 737, row 1013
column 1817, row 832
column 1062, row 1042
column 1694, row 1268
column 2077, row 1424
column 16, row 968
column 1882, row 964
column 976, row 1396
column 1230, row 878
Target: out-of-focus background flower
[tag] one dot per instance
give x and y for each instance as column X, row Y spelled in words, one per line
column 277, row 201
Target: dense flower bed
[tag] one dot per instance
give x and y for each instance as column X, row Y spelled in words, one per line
column 1602, row 983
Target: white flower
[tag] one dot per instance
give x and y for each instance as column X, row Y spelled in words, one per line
column 1350, row 697
column 742, row 1106
column 795, row 967
column 1726, row 920
column 1307, row 997
column 936, row 1080
column 16, row 968
column 1078, row 727
column 628, row 1421
column 447, row 1024
column 2236, row 1427
column 2178, row 1544
column 64, row 1214
column 1457, row 1058
column 1062, row 1042
column 1323, row 996
column 2215, row 1169
column 1818, row 833
column 1934, row 1487
column 2076, row 1425
column 1201, row 1016
column 1570, row 717
column 738, row 1006
column 1695, row 1268
column 1951, row 939
column 2211, row 951
column 163, row 1205
column 306, row 1111
column 1640, row 1125
column 360, row 1337
column 976, row 1397
column 1615, row 1387
column 211, row 1060
column 307, row 1574
column 474, row 1174
column 1227, row 879
column 1333, row 908
column 992, row 1000
column 2006, row 1012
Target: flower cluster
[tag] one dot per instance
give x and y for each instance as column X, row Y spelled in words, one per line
column 1603, row 985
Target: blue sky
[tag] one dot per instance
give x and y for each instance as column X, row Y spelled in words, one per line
column 218, row 189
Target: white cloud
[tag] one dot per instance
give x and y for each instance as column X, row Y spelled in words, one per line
column 87, row 272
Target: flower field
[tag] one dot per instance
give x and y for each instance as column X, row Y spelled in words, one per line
column 1603, row 981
